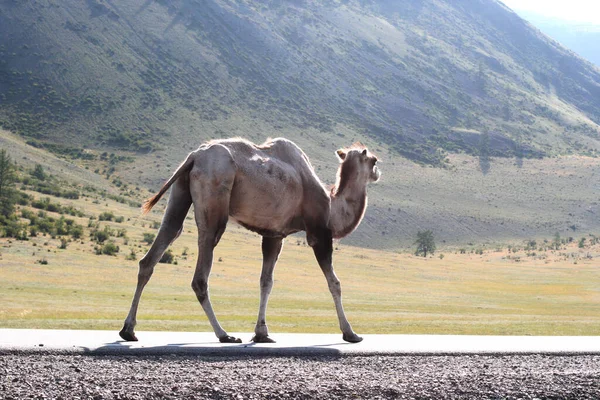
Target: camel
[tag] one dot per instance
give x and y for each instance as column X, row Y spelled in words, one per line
column 271, row 189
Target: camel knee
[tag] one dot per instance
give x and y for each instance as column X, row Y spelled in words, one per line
column 146, row 268
column 200, row 287
column 266, row 283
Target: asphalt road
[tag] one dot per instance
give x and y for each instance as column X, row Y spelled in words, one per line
column 61, row 376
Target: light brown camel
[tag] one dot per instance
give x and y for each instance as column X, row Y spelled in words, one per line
column 271, row 189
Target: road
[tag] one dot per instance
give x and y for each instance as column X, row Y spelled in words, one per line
column 45, row 375
column 99, row 366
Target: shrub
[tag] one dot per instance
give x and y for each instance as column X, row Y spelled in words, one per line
column 99, row 236
column 109, row 248
column 167, row 257
column 10, row 227
column 39, row 173
column 149, row 237
column 106, row 216
column 77, row 231
column 132, row 256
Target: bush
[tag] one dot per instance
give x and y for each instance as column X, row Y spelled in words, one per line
column 106, row 216
column 39, row 173
column 76, row 231
column 132, row 256
column 167, row 258
column 10, row 227
column 100, row 236
column 109, row 249
column 149, row 237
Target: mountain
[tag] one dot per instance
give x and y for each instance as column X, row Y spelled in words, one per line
column 582, row 38
column 418, row 75
column 422, row 82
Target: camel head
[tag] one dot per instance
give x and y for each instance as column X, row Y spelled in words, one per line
column 358, row 164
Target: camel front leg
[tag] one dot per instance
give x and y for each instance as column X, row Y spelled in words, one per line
column 271, row 247
column 322, row 244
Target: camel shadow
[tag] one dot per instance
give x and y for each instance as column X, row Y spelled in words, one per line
column 230, row 350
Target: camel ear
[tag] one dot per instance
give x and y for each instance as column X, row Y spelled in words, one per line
column 341, row 154
column 364, row 152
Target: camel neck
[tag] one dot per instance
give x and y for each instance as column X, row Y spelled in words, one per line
column 347, row 210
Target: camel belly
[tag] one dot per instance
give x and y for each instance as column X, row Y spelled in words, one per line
column 266, row 206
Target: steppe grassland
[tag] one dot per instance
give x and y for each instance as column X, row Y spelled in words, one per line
column 552, row 293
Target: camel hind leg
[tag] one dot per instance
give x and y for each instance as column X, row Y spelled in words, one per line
column 211, row 182
column 170, row 228
column 271, row 247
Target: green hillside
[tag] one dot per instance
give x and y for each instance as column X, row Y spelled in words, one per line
column 463, row 84
column 416, row 75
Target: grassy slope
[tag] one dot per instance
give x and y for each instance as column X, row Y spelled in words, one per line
column 514, row 200
column 162, row 74
column 27, row 156
column 553, row 292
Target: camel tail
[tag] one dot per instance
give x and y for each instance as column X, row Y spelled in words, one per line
column 183, row 168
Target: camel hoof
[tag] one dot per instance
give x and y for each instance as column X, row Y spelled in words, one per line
column 262, row 339
column 128, row 336
column 229, row 339
column 352, row 338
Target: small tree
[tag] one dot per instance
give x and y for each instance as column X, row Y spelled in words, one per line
column 425, row 243
column 557, row 242
column 7, row 182
column 39, row 173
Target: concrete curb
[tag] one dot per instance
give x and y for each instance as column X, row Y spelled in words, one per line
column 288, row 344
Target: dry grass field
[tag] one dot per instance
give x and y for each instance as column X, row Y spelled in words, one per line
column 554, row 292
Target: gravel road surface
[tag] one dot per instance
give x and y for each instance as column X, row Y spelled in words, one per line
column 59, row 376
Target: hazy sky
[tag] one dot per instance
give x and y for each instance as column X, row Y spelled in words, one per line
column 584, row 11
